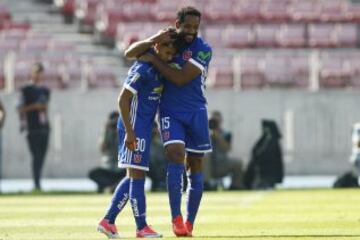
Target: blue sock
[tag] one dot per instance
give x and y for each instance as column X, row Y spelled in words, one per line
column 138, row 203
column 174, row 184
column 119, row 200
column 194, row 192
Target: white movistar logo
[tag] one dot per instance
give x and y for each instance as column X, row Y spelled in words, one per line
column 123, row 201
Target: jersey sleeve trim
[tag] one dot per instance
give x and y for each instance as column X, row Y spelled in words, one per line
column 130, row 88
column 201, row 67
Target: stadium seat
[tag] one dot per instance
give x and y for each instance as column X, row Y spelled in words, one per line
column 221, row 70
column 214, row 35
column 219, row 11
column 304, row 11
column 322, row 35
column 333, row 10
column 4, row 14
column 300, row 70
column 247, row 10
column 353, row 12
column 266, row 35
column 334, row 73
column 275, row 10
column 86, row 14
column 8, row 46
column 34, row 45
column 291, row 35
column 346, row 35
column 277, row 72
column 252, row 72
column 102, row 76
column 164, row 10
column 13, row 35
column 239, row 36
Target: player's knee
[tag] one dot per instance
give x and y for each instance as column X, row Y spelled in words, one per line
column 175, row 153
column 136, row 173
column 194, row 164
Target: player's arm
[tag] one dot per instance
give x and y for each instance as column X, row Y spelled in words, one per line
column 179, row 77
column 2, row 115
column 124, row 107
column 136, row 49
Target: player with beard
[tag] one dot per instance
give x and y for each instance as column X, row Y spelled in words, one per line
column 183, row 112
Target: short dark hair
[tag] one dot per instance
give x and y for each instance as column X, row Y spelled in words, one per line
column 183, row 12
column 38, row 67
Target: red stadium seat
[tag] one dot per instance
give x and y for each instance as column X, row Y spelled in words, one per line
column 216, row 11
column 164, row 10
column 275, row 10
column 266, row 35
column 300, row 70
column 346, row 35
column 305, row 11
column 214, row 35
column 239, row 36
column 34, row 45
column 221, row 71
column 322, row 35
column 4, row 14
column 334, row 73
column 13, row 35
column 8, row 46
column 333, row 10
column 277, row 72
column 247, row 10
column 252, row 72
column 291, row 35
column 103, row 77
column 353, row 12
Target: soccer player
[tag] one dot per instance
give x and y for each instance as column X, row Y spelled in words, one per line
column 183, row 113
column 138, row 104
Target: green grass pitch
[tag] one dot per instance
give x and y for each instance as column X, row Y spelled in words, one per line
column 282, row 214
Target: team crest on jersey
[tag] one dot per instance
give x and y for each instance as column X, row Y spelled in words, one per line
column 187, row 55
column 137, row 158
column 166, row 135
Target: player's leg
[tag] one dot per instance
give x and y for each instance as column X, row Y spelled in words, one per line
column 120, row 196
column 173, row 134
column 195, row 187
column 197, row 144
column 138, row 204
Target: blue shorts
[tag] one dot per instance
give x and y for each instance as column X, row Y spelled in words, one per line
column 140, row 158
column 188, row 128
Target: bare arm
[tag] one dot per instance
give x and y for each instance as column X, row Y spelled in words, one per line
column 138, row 48
column 124, row 107
column 180, row 77
column 2, row 115
column 222, row 143
column 33, row 107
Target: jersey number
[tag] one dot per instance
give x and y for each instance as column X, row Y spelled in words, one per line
column 165, row 123
column 140, row 144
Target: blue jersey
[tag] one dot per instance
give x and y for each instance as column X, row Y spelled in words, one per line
column 144, row 82
column 188, row 98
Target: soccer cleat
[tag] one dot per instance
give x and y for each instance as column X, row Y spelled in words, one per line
column 179, row 227
column 108, row 229
column 189, row 228
column 147, row 232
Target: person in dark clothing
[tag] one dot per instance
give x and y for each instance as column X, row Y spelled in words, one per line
column 219, row 164
column 33, row 110
column 266, row 167
column 107, row 175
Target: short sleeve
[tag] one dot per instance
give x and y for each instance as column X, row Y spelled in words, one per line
column 201, row 56
column 134, row 78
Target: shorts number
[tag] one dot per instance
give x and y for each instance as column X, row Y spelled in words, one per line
column 165, row 123
column 140, row 144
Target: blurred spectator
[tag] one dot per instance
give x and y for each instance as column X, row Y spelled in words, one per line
column 158, row 162
column 219, row 164
column 107, row 175
column 265, row 168
column 33, row 110
column 350, row 178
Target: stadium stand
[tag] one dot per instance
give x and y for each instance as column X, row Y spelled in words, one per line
column 257, row 43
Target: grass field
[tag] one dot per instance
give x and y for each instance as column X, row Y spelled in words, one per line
column 300, row 214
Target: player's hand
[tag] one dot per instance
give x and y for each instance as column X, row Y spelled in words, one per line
column 147, row 57
column 164, row 35
column 130, row 140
